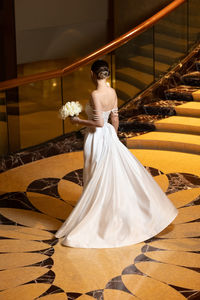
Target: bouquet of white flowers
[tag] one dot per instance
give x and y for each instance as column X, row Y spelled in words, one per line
column 71, row 109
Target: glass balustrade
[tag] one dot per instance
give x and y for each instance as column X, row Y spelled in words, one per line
column 193, row 22
column 3, row 125
column 170, row 40
column 134, row 66
column 32, row 113
column 38, row 111
column 29, row 113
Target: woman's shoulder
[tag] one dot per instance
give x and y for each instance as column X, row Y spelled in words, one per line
column 97, row 96
column 112, row 90
column 96, row 93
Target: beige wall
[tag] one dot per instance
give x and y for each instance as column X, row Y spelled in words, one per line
column 129, row 13
column 49, row 29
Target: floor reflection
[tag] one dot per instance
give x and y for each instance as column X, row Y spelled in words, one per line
column 36, row 198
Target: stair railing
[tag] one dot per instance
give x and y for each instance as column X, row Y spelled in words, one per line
column 116, row 43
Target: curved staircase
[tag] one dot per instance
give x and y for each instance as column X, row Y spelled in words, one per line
column 135, row 68
column 178, row 128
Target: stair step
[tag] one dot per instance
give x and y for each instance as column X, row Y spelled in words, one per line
column 135, row 77
column 163, row 40
column 144, row 118
column 179, row 124
column 161, row 54
column 162, row 107
column 130, row 134
column 4, row 138
column 159, row 110
column 3, row 108
column 125, row 90
column 3, row 117
column 197, row 65
column 192, row 78
column 2, row 98
column 196, row 95
column 141, row 122
column 176, row 30
column 133, row 127
column 2, row 95
column 181, row 92
column 188, row 109
column 145, row 64
column 166, row 141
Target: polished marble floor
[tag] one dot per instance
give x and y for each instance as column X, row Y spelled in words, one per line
column 36, row 198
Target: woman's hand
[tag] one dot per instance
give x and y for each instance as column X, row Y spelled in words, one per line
column 74, row 119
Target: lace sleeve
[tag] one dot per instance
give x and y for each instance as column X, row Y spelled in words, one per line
column 115, row 111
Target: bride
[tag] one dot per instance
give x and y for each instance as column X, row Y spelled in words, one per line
column 121, row 204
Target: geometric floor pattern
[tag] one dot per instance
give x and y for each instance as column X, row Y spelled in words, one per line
column 37, row 197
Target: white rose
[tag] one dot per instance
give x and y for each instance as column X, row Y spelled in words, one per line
column 70, row 109
column 76, row 111
column 71, row 112
column 67, row 105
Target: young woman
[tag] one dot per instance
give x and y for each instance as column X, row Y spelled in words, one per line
column 121, row 204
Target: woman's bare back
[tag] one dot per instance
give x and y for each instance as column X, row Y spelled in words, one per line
column 106, row 97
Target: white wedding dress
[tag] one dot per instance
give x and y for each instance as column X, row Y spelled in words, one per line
column 121, row 204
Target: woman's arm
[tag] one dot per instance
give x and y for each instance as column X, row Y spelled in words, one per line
column 85, row 122
column 115, row 122
column 114, row 116
column 97, row 115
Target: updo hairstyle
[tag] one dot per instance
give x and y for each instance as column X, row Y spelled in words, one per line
column 101, row 69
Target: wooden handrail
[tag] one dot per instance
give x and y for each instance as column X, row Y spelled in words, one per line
column 116, row 43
